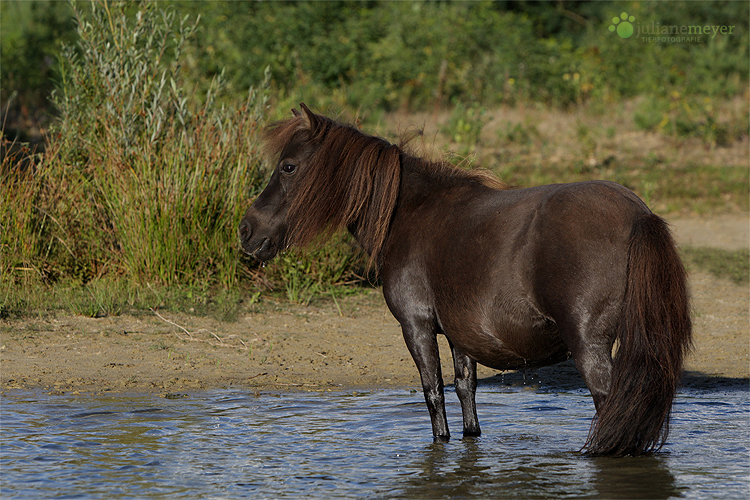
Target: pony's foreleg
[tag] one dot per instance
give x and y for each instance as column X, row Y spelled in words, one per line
column 465, row 370
column 421, row 339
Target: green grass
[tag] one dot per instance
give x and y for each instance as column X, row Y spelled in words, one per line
column 732, row 265
column 109, row 296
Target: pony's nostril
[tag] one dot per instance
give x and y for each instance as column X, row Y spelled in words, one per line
column 245, row 230
column 264, row 246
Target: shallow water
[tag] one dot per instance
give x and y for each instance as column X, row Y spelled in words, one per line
column 233, row 444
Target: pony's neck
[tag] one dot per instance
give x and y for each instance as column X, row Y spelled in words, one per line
column 424, row 183
column 424, row 180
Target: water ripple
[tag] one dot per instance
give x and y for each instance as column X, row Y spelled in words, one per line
column 344, row 445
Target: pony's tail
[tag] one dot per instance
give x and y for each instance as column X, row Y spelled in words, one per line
column 654, row 334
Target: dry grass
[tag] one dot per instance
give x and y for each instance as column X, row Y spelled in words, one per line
column 533, row 145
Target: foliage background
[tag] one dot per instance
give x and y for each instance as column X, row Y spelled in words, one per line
column 131, row 130
column 390, row 54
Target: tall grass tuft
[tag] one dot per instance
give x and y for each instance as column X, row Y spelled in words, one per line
column 145, row 182
column 20, row 189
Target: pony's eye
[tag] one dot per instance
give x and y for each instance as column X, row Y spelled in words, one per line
column 288, row 168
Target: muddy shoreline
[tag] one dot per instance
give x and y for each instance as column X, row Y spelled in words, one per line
column 353, row 343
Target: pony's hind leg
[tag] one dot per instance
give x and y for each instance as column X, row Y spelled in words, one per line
column 465, row 370
column 594, row 362
column 590, row 344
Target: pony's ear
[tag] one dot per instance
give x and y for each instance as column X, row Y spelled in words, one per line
column 311, row 119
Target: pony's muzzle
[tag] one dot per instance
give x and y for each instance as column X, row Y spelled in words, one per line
column 254, row 244
column 251, row 243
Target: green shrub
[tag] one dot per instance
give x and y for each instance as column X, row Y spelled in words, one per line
column 421, row 54
column 466, row 124
column 30, row 36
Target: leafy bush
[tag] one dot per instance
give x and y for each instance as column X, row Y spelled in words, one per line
column 418, row 55
column 163, row 179
column 30, row 35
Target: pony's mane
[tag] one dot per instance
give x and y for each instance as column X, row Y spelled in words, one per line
column 352, row 180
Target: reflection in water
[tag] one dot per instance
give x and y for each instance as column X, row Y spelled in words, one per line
column 634, row 478
column 441, row 473
column 465, row 472
column 456, row 473
column 376, row 445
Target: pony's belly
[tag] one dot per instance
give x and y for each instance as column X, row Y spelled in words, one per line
column 511, row 361
column 515, row 348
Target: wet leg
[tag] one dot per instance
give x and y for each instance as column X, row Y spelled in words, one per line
column 590, row 344
column 421, row 339
column 594, row 362
column 465, row 370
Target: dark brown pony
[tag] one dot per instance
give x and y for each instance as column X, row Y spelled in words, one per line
column 513, row 278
